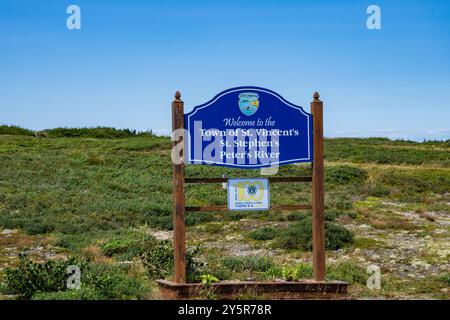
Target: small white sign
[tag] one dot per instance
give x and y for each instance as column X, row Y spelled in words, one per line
column 248, row 194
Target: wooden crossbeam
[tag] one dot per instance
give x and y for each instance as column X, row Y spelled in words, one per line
column 280, row 207
column 271, row 180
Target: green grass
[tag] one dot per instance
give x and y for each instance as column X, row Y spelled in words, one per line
column 384, row 151
column 95, row 187
column 80, row 185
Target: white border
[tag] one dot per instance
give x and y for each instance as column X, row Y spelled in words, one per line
column 252, row 179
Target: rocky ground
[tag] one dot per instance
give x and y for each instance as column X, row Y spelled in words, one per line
column 409, row 260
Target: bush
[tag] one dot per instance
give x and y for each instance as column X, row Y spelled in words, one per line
column 339, row 201
column 274, row 272
column 347, row 271
column 111, row 282
column 158, row 261
column 289, row 274
column 304, row 271
column 247, row 263
column 30, row 277
column 377, row 190
column 128, row 248
column 98, row 132
column 345, row 175
column 337, row 236
column 160, row 222
column 295, row 273
column 445, row 278
column 15, row 131
column 220, row 271
column 263, row 233
column 48, row 281
column 299, row 236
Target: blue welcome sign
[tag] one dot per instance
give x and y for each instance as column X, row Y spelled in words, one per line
column 248, row 127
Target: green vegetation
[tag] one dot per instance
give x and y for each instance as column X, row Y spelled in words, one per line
column 384, row 151
column 48, row 281
column 104, row 196
column 15, row 131
column 347, row 271
column 299, row 236
column 247, row 263
column 158, row 261
column 128, row 246
column 445, row 278
column 29, row 277
column 208, row 279
column 344, row 175
column 263, row 233
column 97, row 132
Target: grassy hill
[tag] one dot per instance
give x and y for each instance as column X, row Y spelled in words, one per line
column 104, row 196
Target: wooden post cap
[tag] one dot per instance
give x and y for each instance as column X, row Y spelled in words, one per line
column 177, row 96
column 316, row 96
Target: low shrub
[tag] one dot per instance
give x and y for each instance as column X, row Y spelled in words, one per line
column 274, row 272
column 247, row 263
column 289, row 274
column 219, row 271
column 377, row 190
column 339, row 202
column 15, row 131
column 97, row 132
column 113, row 283
column 299, row 236
column 339, row 175
column 445, row 278
column 304, row 271
column 129, row 247
column 263, row 233
column 30, row 277
column 347, row 271
column 208, row 279
column 297, row 272
column 48, row 281
column 160, row 222
column 158, row 261
column 337, row 236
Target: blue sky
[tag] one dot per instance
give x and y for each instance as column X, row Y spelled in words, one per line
column 124, row 65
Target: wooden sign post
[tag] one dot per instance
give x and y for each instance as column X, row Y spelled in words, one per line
column 310, row 150
column 318, row 200
column 179, row 228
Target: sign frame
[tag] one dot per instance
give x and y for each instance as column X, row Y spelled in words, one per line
column 317, row 191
